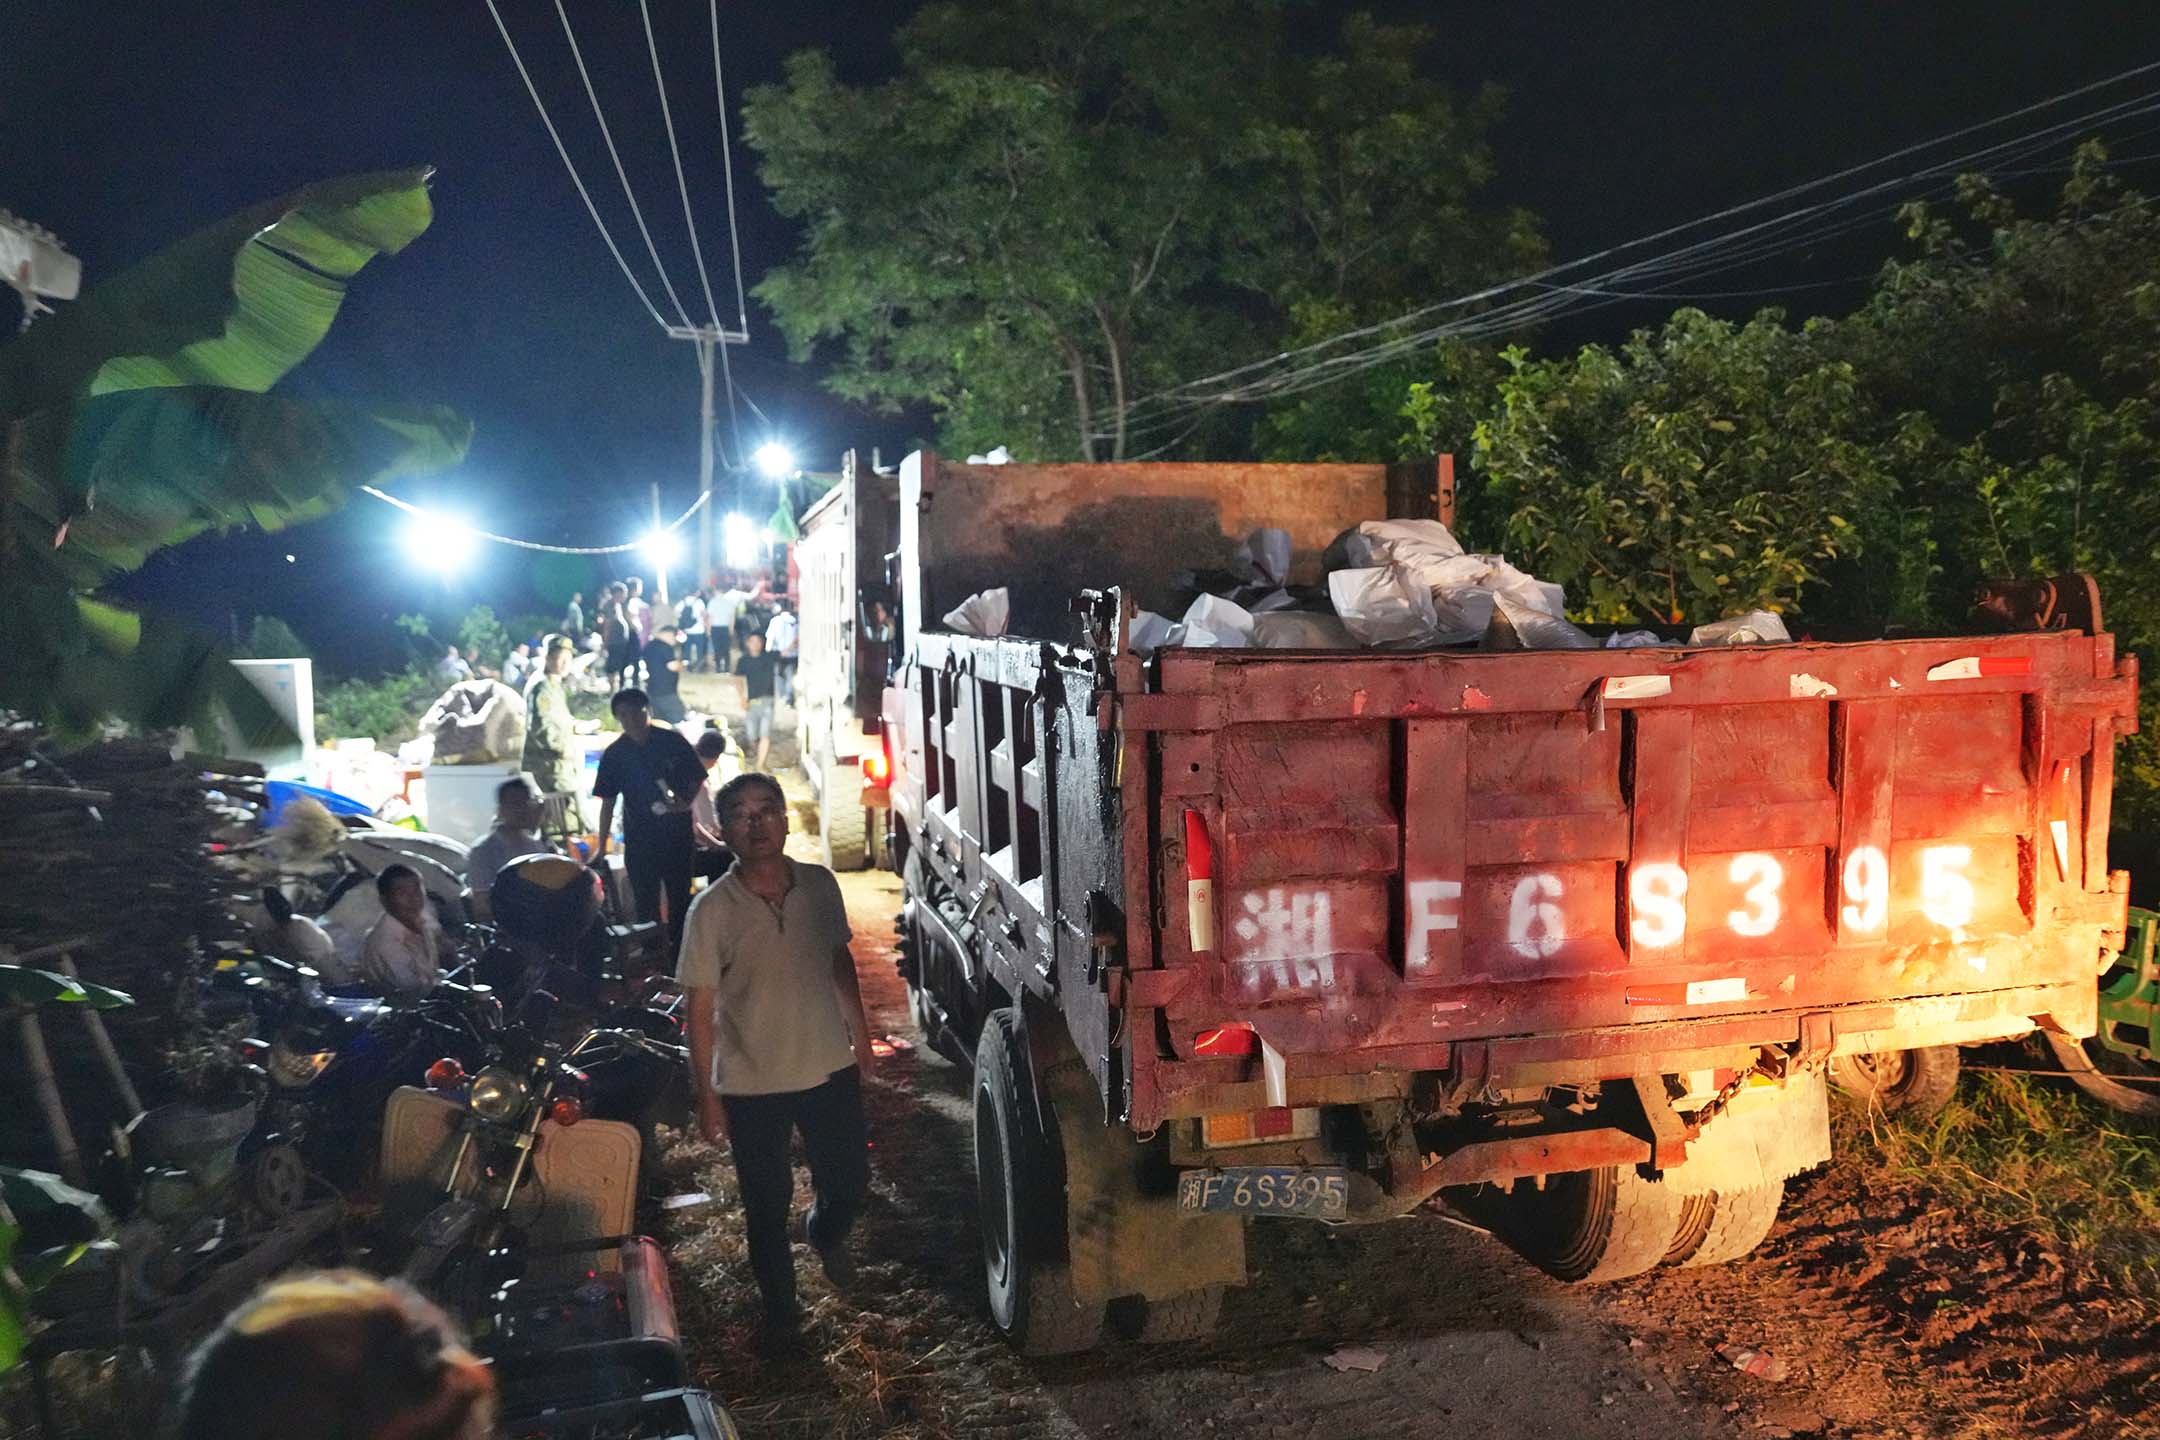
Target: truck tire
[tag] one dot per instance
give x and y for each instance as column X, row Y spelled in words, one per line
column 1739, row 1221
column 1591, row 1226
column 1915, row 1083
column 1020, row 1185
column 843, row 827
column 1169, row 1321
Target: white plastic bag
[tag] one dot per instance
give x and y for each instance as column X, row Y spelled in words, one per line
column 1757, row 627
column 1634, row 639
column 1301, row 630
column 1383, row 605
column 1535, row 626
column 985, row 613
column 476, row 722
column 1151, row 632
column 1264, row 558
column 1214, row 621
column 1415, row 543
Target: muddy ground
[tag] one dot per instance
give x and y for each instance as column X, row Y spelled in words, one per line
column 1892, row 1317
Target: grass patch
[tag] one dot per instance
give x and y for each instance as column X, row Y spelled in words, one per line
column 2033, row 1153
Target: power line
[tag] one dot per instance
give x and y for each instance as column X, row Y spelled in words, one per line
column 630, row 195
column 667, row 119
column 727, row 161
column 411, row 509
column 583, row 194
column 1195, row 393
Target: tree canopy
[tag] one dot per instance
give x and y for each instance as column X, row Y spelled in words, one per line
column 1057, row 208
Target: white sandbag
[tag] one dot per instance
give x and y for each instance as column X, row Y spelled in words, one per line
column 1301, row 630
column 985, row 613
column 1268, row 600
column 1757, row 627
column 1383, row 605
column 1264, row 558
column 1415, row 543
column 998, row 455
column 1634, row 639
column 1535, row 627
column 1151, row 632
column 476, row 722
column 1212, row 621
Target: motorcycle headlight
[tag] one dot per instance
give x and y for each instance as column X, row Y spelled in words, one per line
column 292, row 1069
column 497, row 1095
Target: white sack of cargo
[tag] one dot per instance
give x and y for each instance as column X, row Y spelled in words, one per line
column 1301, row 630
column 1757, row 627
column 1151, row 632
column 1213, row 622
column 986, row 613
column 1264, row 558
column 1384, row 605
column 476, row 722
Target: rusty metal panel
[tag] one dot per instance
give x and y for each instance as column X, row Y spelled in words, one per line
column 1048, row 532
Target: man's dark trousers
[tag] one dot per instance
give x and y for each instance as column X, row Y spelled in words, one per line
column 830, row 1117
column 654, row 867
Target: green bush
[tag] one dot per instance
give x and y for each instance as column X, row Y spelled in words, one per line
column 388, row 710
column 270, row 638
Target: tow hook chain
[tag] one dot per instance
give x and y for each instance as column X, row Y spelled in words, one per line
column 1725, row 1096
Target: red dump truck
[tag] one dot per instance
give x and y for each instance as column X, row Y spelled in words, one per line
column 1568, row 935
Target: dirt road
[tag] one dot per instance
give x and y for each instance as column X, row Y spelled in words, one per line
column 1892, row 1320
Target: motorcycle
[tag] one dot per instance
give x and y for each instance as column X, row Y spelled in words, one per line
column 538, row 1119
column 338, row 1057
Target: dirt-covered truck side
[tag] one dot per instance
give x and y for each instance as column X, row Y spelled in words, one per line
column 1570, row 935
column 844, row 656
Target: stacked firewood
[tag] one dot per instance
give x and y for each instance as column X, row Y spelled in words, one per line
column 109, row 850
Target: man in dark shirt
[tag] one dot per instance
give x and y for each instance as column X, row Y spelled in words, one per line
column 656, row 774
column 663, row 673
column 757, row 669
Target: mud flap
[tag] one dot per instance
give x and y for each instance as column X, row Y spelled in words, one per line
column 1767, row 1135
column 1120, row 1240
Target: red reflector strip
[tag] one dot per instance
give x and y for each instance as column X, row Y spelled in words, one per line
column 1657, row 995
column 1274, row 1121
column 1226, row 1040
column 1199, row 883
column 1980, row 667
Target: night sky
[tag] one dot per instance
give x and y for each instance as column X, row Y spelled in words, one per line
column 128, row 125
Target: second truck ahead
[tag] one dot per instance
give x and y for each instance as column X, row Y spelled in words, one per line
column 1567, row 935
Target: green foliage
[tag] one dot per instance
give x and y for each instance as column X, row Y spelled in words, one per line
column 1060, row 207
column 480, row 632
column 1699, row 470
column 134, row 420
column 45, row 1226
column 387, row 710
column 2031, row 1154
column 270, row 638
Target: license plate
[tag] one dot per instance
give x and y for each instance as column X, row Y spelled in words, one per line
column 1268, row 1190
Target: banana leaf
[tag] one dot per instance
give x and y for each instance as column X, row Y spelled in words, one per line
column 59, row 1223
column 236, row 305
column 97, row 486
column 26, row 985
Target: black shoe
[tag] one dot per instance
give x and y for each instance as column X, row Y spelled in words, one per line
column 781, row 1331
column 839, row 1265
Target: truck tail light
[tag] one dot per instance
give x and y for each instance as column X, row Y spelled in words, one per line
column 1226, row 1040
column 1253, row 1127
column 1199, row 884
column 877, row 765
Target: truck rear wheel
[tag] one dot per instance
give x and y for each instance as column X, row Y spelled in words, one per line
column 1592, row 1226
column 1190, row 1316
column 1020, row 1183
column 1916, row 1083
column 843, row 824
column 1739, row 1220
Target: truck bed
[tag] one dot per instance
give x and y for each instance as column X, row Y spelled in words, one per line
column 1518, row 869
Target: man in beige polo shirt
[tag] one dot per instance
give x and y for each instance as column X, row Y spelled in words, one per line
column 778, row 1040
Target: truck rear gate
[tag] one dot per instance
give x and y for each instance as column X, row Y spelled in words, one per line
column 1570, row 866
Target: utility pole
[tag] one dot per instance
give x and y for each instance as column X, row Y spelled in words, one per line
column 707, row 338
column 660, row 589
